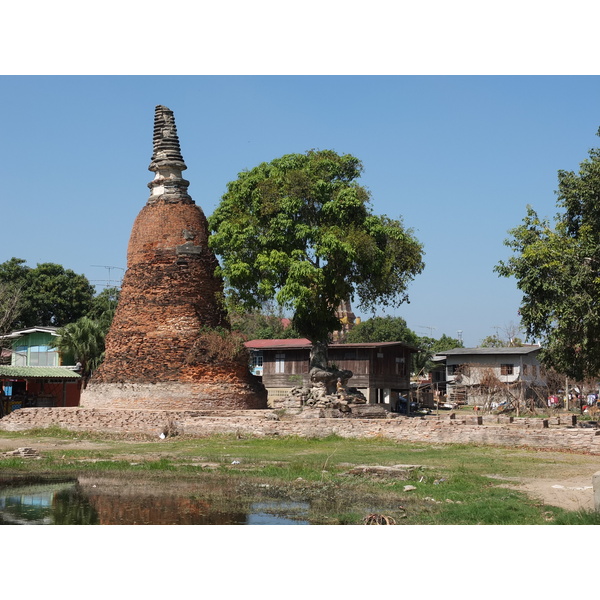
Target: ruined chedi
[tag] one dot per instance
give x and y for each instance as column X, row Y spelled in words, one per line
column 163, row 350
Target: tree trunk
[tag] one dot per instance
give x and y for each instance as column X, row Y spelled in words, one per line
column 318, row 355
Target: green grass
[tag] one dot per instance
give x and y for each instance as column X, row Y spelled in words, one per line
column 452, row 487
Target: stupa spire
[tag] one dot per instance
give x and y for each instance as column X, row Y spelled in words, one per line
column 165, row 347
column 167, row 161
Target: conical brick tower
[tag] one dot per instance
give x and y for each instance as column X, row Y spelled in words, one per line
column 168, row 346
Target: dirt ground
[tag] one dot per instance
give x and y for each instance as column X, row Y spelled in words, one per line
column 575, row 493
column 569, row 488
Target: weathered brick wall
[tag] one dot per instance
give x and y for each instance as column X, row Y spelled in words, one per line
column 165, row 299
column 169, row 294
column 201, row 423
column 173, row 395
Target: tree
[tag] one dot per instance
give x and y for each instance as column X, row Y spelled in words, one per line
column 511, row 338
column 495, row 341
column 10, row 300
column 383, row 329
column 103, row 307
column 300, row 230
column 428, row 347
column 84, row 341
column 395, row 329
column 12, row 279
column 264, row 324
column 557, row 267
column 492, row 341
column 50, row 294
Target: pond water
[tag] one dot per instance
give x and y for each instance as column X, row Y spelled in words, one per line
column 73, row 502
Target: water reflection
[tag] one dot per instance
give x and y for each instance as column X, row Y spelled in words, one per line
column 57, row 503
column 282, row 510
column 84, row 501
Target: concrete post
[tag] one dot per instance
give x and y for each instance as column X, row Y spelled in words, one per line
column 596, row 484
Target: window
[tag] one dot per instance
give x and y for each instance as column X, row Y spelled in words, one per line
column 20, row 356
column 256, row 363
column 280, row 363
column 506, row 369
column 400, row 362
column 42, row 356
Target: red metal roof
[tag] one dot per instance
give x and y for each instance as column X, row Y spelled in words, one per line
column 304, row 343
column 287, row 343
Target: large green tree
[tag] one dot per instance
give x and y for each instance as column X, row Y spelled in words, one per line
column 383, row 329
column 557, row 267
column 50, row 295
column 300, row 230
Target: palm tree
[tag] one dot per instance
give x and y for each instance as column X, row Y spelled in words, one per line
column 84, row 340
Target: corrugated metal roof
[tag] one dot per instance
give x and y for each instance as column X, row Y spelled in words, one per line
column 38, row 372
column 286, row 343
column 488, row 351
column 304, row 343
column 22, row 332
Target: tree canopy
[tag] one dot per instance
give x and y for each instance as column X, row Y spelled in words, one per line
column 264, row 324
column 495, row 341
column 300, row 230
column 395, row 329
column 50, row 295
column 557, row 267
column 383, row 329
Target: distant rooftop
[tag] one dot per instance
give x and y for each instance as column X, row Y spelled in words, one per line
column 304, row 343
column 487, row 351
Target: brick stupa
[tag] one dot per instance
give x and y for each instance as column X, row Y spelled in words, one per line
column 158, row 355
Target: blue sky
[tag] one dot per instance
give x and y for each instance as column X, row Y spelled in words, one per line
column 457, row 157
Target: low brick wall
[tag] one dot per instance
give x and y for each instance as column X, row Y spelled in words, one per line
column 174, row 396
column 521, row 432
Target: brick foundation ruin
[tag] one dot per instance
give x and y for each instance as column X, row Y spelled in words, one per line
column 168, row 346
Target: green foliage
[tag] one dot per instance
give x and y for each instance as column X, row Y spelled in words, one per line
column 495, row 341
column 429, row 347
column 104, row 306
column 395, row 329
column 492, row 341
column 300, row 230
column 84, row 341
column 382, row 329
column 557, row 267
column 50, row 294
column 264, row 324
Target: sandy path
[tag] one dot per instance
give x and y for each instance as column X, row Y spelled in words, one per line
column 571, row 494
